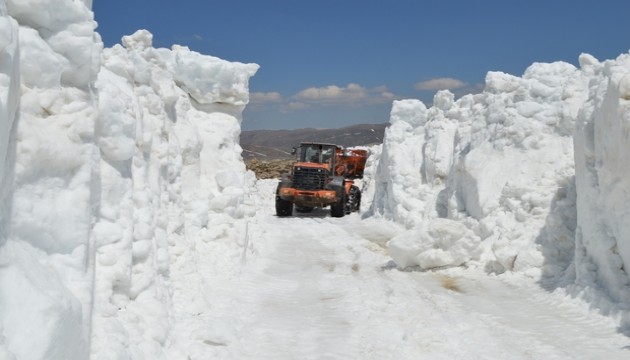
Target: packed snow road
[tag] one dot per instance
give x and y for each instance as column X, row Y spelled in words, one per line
column 316, row 287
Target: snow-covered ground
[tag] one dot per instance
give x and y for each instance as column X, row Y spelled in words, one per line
column 315, row 287
column 493, row 226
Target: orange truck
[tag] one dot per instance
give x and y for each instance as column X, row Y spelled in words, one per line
column 322, row 176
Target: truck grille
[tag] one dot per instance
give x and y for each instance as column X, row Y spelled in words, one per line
column 305, row 178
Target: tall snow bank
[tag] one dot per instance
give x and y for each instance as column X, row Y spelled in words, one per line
column 602, row 147
column 171, row 176
column 487, row 178
column 530, row 175
column 9, row 95
column 46, row 273
column 115, row 165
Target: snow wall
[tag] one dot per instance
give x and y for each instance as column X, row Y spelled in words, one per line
column 602, row 164
column 493, row 179
column 115, row 162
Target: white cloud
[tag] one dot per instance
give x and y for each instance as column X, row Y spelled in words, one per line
column 386, row 95
column 350, row 94
column 293, row 106
column 312, row 97
column 265, row 97
column 441, row 84
column 333, row 93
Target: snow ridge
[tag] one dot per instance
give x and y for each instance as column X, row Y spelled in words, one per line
column 490, row 162
column 603, row 178
column 122, row 157
column 9, row 90
column 171, row 171
column 492, row 180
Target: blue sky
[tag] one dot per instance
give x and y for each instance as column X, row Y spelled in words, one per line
column 328, row 64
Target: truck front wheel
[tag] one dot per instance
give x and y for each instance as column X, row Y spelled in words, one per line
column 338, row 209
column 283, row 207
column 354, row 200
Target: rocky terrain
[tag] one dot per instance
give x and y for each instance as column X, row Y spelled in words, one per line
column 269, row 169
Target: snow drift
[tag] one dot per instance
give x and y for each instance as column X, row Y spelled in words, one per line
column 113, row 160
column 491, row 162
column 493, row 179
column 46, row 274
column 170, row 174
column 9, row 95
column 602, row 146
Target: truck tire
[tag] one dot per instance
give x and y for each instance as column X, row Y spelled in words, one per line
column 283, row 207
column 338, row 209
column 354, row 200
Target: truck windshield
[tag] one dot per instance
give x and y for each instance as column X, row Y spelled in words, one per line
column 316, row 153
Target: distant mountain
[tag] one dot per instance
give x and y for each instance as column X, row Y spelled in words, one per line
column 276, row 144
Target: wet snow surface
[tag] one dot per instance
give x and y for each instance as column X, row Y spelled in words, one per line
column 315, row 287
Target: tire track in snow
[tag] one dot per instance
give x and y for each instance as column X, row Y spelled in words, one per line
column 547, row 320
column 326, row 293
column 293, row 313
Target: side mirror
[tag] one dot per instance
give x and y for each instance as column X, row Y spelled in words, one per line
column 293, row 150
